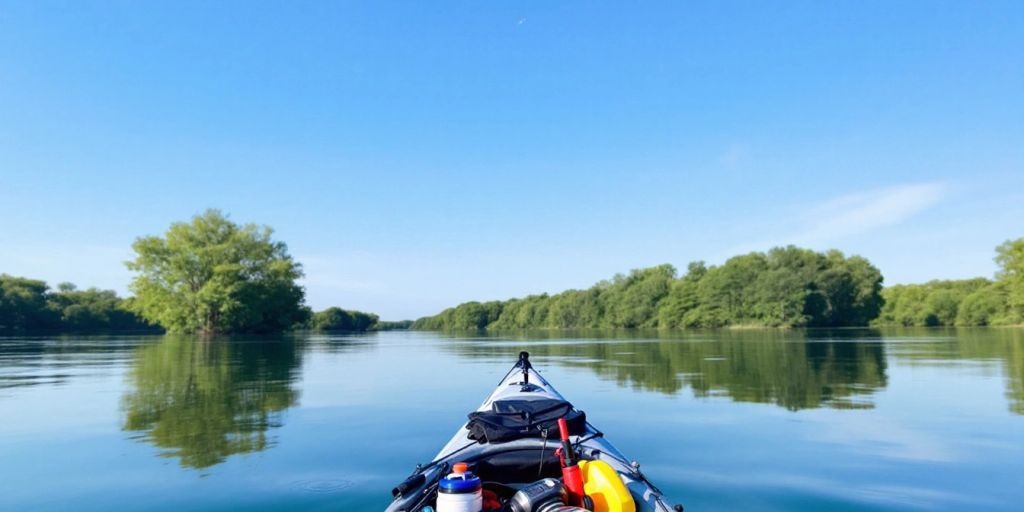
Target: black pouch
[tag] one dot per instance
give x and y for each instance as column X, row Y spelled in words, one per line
column 509, row 420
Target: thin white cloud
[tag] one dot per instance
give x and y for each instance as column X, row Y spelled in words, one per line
column 835, row 221
column 861, row 213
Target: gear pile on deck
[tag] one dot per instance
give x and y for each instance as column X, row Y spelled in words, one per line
column 527, row 449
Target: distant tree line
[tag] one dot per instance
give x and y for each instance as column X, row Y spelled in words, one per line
column 30, row 305
column 337, row 319
column 784, row 287
column 334, row 319
column 964, row 302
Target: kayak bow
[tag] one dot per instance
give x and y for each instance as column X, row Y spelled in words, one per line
column 509, row 457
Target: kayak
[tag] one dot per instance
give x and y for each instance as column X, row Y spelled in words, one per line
column 509, row 446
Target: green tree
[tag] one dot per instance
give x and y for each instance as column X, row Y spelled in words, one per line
column 576, row 309
column 984, row 306
column 632, row 300
column 92, row 310
column 1010, row 257
column 941, row 303
column 852, row 291
column 337, row 319
column 211, row 275
column 682, row 298
column 23, row 304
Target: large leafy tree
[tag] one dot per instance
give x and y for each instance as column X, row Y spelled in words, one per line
column 211, row 276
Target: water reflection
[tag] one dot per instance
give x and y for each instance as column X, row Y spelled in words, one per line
column 797, row 369
column 55, row 360
column 839, row 369
column 1002, row 347
column 203, row 401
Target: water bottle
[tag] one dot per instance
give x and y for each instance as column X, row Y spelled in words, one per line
column 460, row 491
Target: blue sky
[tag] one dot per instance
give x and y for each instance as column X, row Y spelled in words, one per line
column 419, row 154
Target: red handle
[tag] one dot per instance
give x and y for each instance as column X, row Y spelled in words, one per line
column 571, row 476
column 563, row 429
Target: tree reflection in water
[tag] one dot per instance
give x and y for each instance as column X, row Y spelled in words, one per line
column 786, row 368
column 201, row 401
column 1003, row 346
column 795, row 369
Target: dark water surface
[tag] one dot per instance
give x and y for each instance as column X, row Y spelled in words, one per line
column 755, row 420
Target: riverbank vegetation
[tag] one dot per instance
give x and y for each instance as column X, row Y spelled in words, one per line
column 784, row 287
column 30, row 305
column 334, row 319
column 965, row 302
column 337, row 319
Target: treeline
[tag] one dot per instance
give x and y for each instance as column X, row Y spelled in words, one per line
column 938, row 303
column 965, row 302
column 30, row 305
column 784, row 287
column 340, row 320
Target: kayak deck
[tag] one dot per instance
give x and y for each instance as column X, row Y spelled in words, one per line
column 522, row 461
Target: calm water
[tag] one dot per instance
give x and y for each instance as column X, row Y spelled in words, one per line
column 755, row 420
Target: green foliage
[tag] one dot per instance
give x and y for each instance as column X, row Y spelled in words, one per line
column 784, row 287
column 29, row 305
column 632, row 301
column 337, row 319
column 682, row 298
column 575, row 308
column 967, row 302
column 392, row 325
column 1010, row 257
column 936, row 303
column 211, row 275
column 985, row 306
column 23, row 304
column 466, row 317
column 93, row 310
